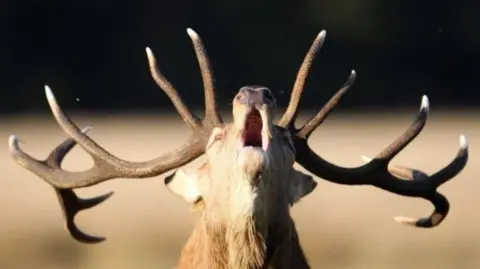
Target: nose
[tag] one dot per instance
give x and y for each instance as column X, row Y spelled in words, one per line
column 256, row 95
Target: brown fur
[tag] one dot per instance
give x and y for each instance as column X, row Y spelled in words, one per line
column 223, row 247
column 226, row 236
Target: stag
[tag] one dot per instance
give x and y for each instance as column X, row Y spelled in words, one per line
column 247, row 185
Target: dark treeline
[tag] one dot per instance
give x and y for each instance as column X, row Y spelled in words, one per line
column 92, row 53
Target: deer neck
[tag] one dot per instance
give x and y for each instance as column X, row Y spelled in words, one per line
column 235, row 228
column 235, row 246
column 240, row 246
column 220, row 242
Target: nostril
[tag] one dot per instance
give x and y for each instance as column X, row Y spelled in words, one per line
column 267, row 94
column 245, row 90
column 240, row 96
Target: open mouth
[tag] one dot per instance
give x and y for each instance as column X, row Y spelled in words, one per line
column 255, row 133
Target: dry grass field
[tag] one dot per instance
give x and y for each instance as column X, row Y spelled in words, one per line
column 146, row 226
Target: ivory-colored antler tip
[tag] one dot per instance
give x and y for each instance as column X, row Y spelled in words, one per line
column 322, row 33
column 425, row 103
column 12, row 139
column 463, row 142
column 405, row 220
column 13, row 143
column 87, row 129
column 107, row 195
column 49, row 93
column 353, row 73
column 192, row 33
column 148, row 50
column 365, row 158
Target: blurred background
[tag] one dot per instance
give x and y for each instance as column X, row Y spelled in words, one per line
column 92, row 54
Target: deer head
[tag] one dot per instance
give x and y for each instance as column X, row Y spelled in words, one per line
column 247, row 184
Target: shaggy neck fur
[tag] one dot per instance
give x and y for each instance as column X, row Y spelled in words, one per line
column 238, row 230
column 241, row 230
column 242, row 247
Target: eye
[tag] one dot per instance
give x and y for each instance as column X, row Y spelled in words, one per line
column 217, row 135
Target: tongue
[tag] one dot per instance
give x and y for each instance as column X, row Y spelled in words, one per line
column 254, row 125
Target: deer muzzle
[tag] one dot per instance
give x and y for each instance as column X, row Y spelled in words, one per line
column 253, row 119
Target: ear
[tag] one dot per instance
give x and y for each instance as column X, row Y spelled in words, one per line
column 300, row 186
column 190, row 185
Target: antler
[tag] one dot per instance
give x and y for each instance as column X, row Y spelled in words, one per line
column 107, row 166
column 377, row 172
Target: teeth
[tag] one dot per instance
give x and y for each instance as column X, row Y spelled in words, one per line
column 265, row 142
column 266, row 132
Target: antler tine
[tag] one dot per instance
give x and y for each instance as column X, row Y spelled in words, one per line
column 442, row 207
column 211, row 112
column 70, row 203
column 439, row 201
column 291, row 113
column 401, row 171
column 172, row 93
column 456, row 166
column 408, row 136
column 307, row 129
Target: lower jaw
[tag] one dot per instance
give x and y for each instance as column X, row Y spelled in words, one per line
column 250, row 149
column 265, row 145
column 258, row 148
column 252, row 156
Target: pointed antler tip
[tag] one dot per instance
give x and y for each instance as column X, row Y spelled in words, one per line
column 405, row 220
column 150, row 56
column 425, row 103
column 192, row 33
column 322, row 33
column 89, row 203
column 49, row 93
column 12, row 140
column 463, row 142
column 87, row 129
column 351, row 79
column 365, row 158
column 353, row 76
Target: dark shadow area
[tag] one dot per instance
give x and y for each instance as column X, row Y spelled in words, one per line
column 92, row 53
